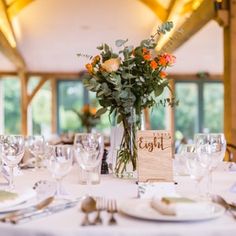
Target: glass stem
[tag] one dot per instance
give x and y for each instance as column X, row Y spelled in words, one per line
column 11, row 179
column 59, row 187
column 209, row 183
column 197, row 186
column 88, row 179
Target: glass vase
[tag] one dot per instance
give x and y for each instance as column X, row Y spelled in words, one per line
column 125, row 165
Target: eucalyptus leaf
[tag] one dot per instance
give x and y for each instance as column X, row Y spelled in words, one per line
column 120, row 42
column 100, row 47
column 101, row 111
column 158, row 91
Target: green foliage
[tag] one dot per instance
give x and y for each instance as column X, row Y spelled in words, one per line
column 213, row 107
column 12, row 106
column 133, row 77
column 70, row 96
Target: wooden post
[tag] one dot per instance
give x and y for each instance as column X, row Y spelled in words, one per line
column 24, row 102
column 230, row 75
column 54, row 106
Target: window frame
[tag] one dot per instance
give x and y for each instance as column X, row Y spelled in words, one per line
column 85, row 97
column 200, row 101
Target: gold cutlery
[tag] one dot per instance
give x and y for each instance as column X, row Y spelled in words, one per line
column 112, row 209
column 45, row 212
column 13, row 215
column 88, row 205
column 221, row 201
column 100, row 206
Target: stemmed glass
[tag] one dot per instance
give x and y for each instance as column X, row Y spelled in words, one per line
column 211, row 149
column 60, row 163
column 196, row 167
column 218, row 149
column 89, row 151
column 39, row 148
column 12, row 149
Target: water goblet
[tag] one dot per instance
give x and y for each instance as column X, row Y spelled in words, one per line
column 211, row 149
column 196, row 168
column 89, row 151
column 218, row 149
column 12, row 149
column 217, row 145
column 36, row 145
column 59, row 164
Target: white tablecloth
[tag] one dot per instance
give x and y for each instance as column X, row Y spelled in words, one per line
column 67, row 223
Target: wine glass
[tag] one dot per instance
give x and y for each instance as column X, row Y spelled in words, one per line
column 39, row 148
column 218, row 148
column 12, row 150
column 89, row 151
column 196, row 167
column 217, row 144
column 60, row 163
column 211, row 149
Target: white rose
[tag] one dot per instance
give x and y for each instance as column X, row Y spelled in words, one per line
column 111, row 65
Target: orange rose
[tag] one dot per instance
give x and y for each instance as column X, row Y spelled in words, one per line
column 147, row 57
column 166, row 59
column 144, row 50
column 146, row 54
column 95, row 60
column 93, row 110
column 153, row 64
column 162, row 61
column 163, row 74
column 85, row 108
column 89, row 68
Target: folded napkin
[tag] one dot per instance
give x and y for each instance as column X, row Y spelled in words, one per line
column 151, row 189
column 178, row 206
column 232, row 166
column 9, row 199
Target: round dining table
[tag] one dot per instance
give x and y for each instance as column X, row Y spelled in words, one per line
column 68, row 222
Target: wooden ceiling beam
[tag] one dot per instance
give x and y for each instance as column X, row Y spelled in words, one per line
column 157, row 8
column 7, row 25
column 174, row 10
column 204, row 13
column 11, row 53
column 191, row 6
column 7, row 39
column 56, row 75
column 14, row 8
column 36, row 89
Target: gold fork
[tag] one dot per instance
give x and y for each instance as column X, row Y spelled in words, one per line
column 112, row 209
column 100, row 206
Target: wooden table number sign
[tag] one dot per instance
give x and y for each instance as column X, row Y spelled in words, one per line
column 154, row 156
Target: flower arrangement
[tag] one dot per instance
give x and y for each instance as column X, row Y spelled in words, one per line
column 88, row 117
column 129, row 80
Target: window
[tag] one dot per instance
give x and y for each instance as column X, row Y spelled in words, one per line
column 39, row 111
column 159, row 114
column 186, row 114
column 10, row 120
column 213, row 107
column 200, row 108
column 70, row 95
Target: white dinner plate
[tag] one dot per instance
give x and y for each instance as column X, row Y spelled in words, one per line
column 141, row 208
column 25, row 199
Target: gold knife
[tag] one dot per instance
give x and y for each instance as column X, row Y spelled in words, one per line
column 37, row 207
